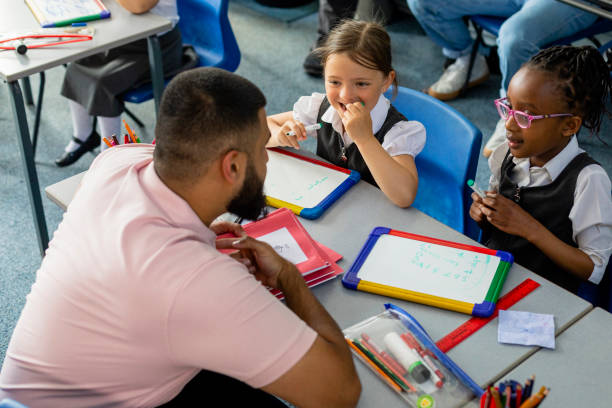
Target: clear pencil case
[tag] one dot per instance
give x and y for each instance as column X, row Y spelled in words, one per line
column 401, row 353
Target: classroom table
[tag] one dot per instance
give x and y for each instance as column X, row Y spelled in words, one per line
column 578, row 370
column 121, row 28
column 344, row 228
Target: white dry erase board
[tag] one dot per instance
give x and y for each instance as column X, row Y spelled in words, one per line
column 305, row 186
column 445, row 274
column 57, row 13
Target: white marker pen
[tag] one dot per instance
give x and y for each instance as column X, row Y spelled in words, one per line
column 316, row 126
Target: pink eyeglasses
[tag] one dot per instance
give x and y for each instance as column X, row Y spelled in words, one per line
column 522, row 119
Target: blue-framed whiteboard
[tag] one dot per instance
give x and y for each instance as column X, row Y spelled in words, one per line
column 304, row 185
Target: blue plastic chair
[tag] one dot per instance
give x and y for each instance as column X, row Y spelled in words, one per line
column 447, row 162
column 9, row 403
column 205, row 26
column 492, row 24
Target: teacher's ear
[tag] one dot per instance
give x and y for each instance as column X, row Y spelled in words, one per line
column 233, row 167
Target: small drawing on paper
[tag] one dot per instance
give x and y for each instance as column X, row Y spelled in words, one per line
column 285, row 245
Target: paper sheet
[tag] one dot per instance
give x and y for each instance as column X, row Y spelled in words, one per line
column 529, row 329
column 285, row 245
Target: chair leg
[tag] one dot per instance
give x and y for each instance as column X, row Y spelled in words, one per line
column 134, row 117
column 473, row 53
column 41, row 89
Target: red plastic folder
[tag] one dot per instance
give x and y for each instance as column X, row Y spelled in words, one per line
column 287, row 235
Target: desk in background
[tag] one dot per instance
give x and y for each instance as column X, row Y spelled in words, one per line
column 122, row 28
column 345, row 226
column 578, row 370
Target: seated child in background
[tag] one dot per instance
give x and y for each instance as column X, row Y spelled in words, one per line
column 360, row 130
column 550, row 203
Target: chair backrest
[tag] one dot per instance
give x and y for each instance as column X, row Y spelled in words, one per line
column 449, row 159
column 9, row 403
column 205, row 25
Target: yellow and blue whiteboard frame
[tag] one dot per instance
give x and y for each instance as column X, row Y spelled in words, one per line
column 316, row 211
column 483, row 309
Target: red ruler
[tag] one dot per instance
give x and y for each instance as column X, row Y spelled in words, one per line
column 475, row 323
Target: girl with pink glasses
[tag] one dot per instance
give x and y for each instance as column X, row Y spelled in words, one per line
column 549, row 203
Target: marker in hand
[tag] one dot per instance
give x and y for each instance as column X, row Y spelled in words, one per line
column 474, row 187
column 308, row 128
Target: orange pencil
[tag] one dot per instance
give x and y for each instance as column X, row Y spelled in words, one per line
column 107, row 142
column 375, row 367
column 535, row 399
column 127, row 127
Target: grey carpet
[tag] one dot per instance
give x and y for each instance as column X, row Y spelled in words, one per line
column 272, row 55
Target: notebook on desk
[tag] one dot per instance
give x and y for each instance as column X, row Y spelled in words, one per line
column 58, row 13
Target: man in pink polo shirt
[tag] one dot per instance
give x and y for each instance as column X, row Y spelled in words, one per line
column 133, row 306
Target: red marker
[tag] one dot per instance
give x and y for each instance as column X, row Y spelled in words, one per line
column 426, row 354
column 126, row 139
column 413, row 344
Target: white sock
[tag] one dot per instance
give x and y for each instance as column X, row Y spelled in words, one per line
column 82, row 124
column 109, row 126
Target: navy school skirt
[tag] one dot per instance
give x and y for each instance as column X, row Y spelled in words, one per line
column 96, row 82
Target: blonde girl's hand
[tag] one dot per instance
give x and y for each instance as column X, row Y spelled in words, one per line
column 357, row 121
column 285, row 138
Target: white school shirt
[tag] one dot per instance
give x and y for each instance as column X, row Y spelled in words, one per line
column 405, row 137
column 591, row 215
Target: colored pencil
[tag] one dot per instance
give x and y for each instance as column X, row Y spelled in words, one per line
column 384, row 376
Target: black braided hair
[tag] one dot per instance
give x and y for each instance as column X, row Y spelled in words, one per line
column 584, row 80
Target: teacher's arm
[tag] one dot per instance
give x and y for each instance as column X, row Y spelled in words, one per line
column 138, row 6
column 327, row 367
